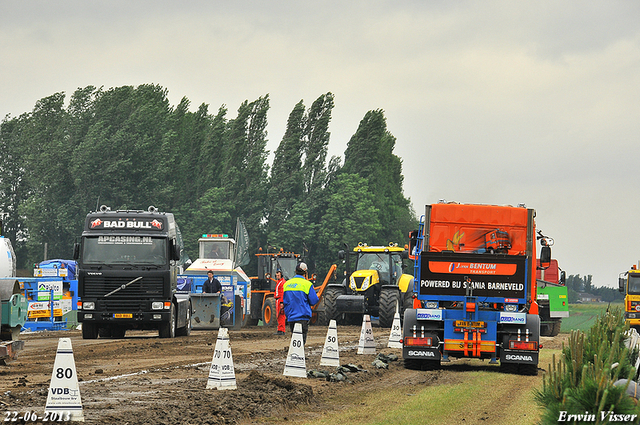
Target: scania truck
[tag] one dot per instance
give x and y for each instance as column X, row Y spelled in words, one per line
column 128, row 263
column 475, row 284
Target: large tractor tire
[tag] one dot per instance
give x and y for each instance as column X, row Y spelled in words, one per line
column 330, row 298
column 322, row 319
column 389, row 302
column 269, row 317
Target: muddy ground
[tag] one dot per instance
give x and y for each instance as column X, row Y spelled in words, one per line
column 143, row 379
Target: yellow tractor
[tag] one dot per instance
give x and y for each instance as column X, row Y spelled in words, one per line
column 377, row 286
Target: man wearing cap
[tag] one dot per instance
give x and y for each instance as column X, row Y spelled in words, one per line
column 298, row 297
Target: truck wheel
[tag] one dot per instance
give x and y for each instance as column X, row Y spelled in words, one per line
column 555, row 329
column 118, row 333
column 330, row 298
column 389, row 301
column 104, row 332
column 186, row 330
column 89, row 331
column 269, row 317
column 168, row 329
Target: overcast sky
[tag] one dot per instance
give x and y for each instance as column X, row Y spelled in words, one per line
column 493, row 102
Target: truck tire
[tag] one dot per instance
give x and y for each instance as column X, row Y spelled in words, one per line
column 555, row 328
column 330, row 304
column 269, row 317
column 321, row 314
column 104, row 332
column 168, row 329
column 389, row 301
column 89, row 331
column 118, row 333
column 186, row 330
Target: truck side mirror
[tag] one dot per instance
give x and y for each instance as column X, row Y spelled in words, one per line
column 175, row 250
column 563, row 277
column 342, row 254
column 76, row 251
column 545, row 256
column 621, row 282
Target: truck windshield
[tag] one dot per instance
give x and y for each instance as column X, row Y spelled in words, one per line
column 287, row 266
column 215, row 249
column 112, row 249
column 634, row 284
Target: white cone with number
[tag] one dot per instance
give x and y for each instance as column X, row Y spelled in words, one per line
column 222, row 375
column 63, row 400
column 367, row 344
column 330, row 352
column 396, row 333
column 296, row 365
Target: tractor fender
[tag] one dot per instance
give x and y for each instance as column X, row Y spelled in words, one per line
column 405, row 283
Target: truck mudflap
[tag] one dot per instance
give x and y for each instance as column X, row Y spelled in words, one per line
column 526, row 357
column 421, row 353
column 351, row 304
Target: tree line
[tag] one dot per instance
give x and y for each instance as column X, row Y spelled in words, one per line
column 576, row 284
column 128, row 147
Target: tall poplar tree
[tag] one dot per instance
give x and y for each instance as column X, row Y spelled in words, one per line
column 370, row 154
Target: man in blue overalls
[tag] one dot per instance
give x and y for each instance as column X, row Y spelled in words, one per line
column 298, row 298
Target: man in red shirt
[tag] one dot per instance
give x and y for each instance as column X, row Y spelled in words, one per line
column 279, row 307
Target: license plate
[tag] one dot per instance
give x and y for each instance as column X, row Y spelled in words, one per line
column 122, row 315
column 465, row 324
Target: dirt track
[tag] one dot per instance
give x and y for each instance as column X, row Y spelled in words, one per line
column 164, row 380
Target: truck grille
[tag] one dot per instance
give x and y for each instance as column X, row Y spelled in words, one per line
column 145, row 288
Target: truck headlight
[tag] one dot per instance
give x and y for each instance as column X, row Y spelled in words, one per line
column 511, row 307
column 88, row 305
column 365, row 283
column 431, row 304
column 352, row 283
column 157, row 305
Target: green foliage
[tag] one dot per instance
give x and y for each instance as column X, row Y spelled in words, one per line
column 128, row 148
column 369, row 154
column 582, row 379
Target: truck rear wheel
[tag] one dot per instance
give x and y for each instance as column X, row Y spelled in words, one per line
column 168, row 329
column 555, row 328
column 89, row 331
column 389, row 302
column 269, row 317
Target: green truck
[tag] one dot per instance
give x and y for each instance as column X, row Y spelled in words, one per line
column 553, row 300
